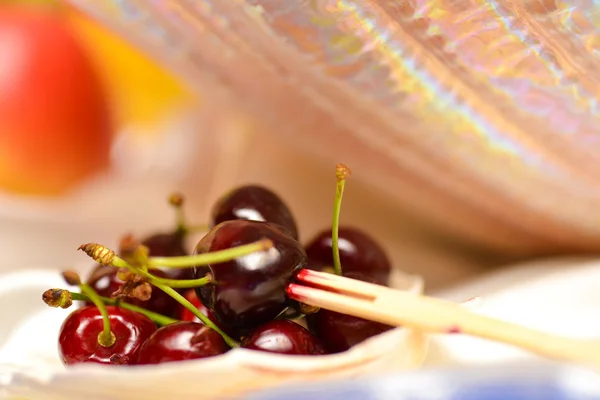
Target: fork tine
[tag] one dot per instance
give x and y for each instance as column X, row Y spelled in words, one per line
column 340, row 284
column 341, row 303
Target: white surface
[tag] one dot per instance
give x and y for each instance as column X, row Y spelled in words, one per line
column 558, row 296
column 30, row 329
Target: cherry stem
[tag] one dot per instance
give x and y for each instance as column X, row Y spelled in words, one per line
column 182, row 283
column 106, row 338
column 105, row 256
column 341, row 173
column 214, row 257
column 154, row 317
column 120, row 263
column 190, row 307
column 176, row 200
column 175, row 283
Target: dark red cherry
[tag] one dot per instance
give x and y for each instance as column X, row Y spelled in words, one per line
column 169, row 245
column 284, row 337
column 339, row 332
column 249, row 291
column 186, row 315
column 254, row 203
column 166, row 244
column 78, row 339
column 105, row 282
column 358, row 253
column 181, row 341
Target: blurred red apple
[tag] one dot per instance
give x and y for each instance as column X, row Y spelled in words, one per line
column 55, row 125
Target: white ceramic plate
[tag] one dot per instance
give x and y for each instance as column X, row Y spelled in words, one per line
column 30, row 367
column 558, row 296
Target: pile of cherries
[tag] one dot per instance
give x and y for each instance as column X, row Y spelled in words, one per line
column 154, row 302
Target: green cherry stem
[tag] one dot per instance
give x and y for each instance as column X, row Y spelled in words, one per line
column 177, row 200
column 213, row 257
column 154, row 317
column 176, row 283
column 105, row 256
column 180, row 283
column 106, row 338
column 341, row 173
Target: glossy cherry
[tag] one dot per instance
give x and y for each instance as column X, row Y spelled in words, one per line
column 249, row 291
column 78, row 338
column 105, row 282
column 186, row 315
column 181, row 341
column 339, row 332
column 254, row 203
column 358, row 253
column 284, row 337
column 169, row 245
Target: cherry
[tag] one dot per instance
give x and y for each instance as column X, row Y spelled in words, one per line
column 79, row 340
column 181, row 341
column 186, row 315
column 284, row 337
column 358, row 253
column 105, row 282
column 339, row 332
column 250, row 290
column 169, row 245
column 254, row 203
column 166, row 244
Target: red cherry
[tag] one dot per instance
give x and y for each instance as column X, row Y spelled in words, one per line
column 248, row 291
column 358, row 253
column 78, row 339
column 339, row 332
column 181, row 341
column 105, row 282
column 255, row 203
column 284, row 337
column 186, row 315
column 169, row 245
column 166, row 244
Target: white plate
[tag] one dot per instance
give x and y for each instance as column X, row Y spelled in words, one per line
column 558, row 296
column 29, row 363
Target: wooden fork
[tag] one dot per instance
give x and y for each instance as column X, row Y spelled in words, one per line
column 400, row 308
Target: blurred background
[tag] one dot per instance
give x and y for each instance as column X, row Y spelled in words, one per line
column 95, row 134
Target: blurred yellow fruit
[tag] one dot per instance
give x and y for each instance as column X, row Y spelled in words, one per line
column 142, row 92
